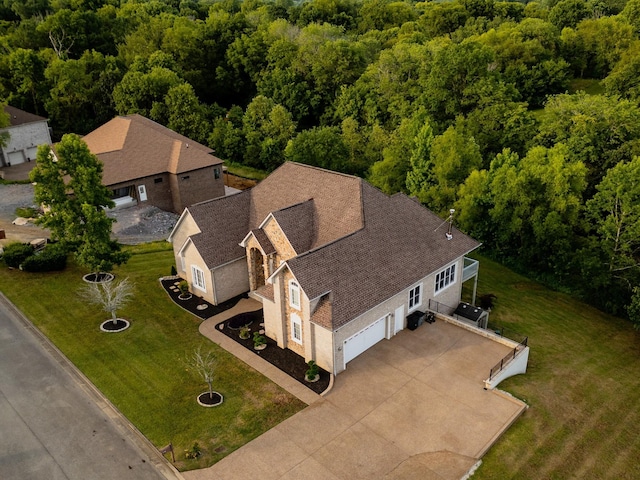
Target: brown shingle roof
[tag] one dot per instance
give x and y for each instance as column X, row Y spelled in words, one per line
column 297, row 222
column 336, row 211
column 363, row 246
column 336, row 206
column 322, row 314
column 223, row 223
column 20, row 117
column 400, row 244
column 263, row 241
column 135, row 147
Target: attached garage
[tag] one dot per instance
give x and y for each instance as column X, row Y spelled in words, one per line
column 364, row 339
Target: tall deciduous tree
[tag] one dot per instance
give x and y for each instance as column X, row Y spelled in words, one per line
column 598, row 130
column 4, row 122
column 69, row 185
column 614, row 213
column 267, row 128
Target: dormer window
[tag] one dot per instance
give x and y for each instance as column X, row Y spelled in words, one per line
column 294, row 294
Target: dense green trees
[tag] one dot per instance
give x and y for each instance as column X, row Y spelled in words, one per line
column 472, row 103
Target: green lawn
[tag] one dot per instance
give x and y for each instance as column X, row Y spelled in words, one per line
column 590, row 86
column 582, row 385
column 244, row 171
column 143, row 369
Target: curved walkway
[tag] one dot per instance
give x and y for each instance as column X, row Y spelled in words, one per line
column 412, row 407
column 209, row 330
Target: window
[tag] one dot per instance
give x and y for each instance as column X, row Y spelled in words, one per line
column 445, row 278
column 296, row 328
column 183, row 266
column 157, row 180
column 198, row 278
column 415, row 297
column 216, row 173
column 294, row 294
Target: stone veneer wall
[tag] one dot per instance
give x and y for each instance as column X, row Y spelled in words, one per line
column 279, row 241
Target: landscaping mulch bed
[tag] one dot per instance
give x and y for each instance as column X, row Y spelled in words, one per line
column 195, row 304
column 289, row 362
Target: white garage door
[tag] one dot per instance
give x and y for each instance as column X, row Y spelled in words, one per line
column 16, row 158
column 364, row 339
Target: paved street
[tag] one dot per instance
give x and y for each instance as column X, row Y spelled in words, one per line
column 53, row 425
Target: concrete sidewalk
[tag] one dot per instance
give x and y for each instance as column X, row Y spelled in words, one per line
column 412, row 407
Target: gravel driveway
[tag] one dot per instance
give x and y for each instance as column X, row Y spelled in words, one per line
column 133, row 225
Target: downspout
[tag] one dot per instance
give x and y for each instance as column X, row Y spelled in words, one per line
column 213, row 286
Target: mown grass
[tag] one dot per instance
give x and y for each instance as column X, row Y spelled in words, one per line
column 582, row 385
column 244, row 171
column 143, row 370
column 590, row 86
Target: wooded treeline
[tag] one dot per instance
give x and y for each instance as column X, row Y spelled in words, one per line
column 468, row 104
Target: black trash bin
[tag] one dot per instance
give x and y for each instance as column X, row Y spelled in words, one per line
column 415, row 319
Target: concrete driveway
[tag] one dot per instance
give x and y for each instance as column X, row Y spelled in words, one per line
column 412, row 407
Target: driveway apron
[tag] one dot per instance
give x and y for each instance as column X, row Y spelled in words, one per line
column 412, row 407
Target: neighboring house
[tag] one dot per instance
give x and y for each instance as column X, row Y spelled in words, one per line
column 337, row 264
column 145, row 162
column 26, row 132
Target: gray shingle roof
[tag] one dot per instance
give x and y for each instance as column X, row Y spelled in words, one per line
column 20, row 117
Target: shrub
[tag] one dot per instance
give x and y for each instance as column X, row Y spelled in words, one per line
column 16, row 253
column 194, row 452
column 27, row 212
column 486, row 301
column 313, row 370
column 245, row 332
column 52, row 258
column 174, row 272
column 259, row 339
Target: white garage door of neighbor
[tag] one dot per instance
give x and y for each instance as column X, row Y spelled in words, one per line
column 16, row 158
column 364, row 339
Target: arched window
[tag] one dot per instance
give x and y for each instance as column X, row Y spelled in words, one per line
column 294, row 294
